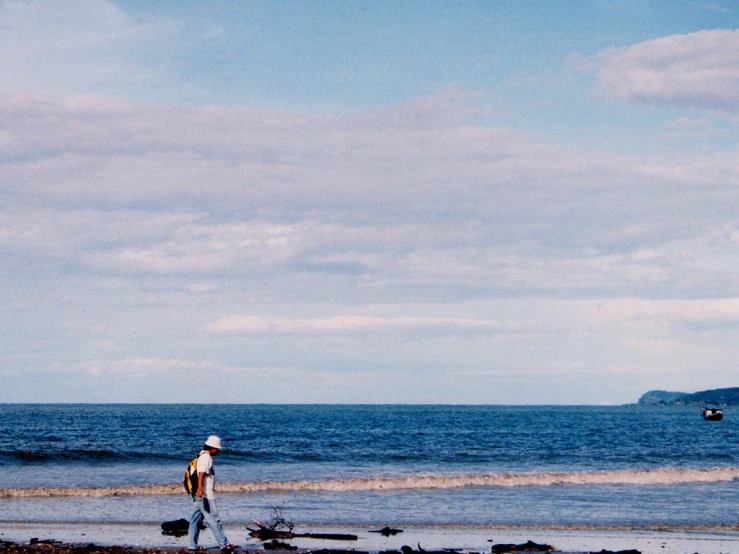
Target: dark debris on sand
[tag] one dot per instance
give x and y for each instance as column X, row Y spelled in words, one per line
column 525, row 547
column 633, row 551
column 274, row 544
column 387, row 531
column 50, row 546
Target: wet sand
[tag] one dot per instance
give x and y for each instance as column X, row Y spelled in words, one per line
column 65, row 538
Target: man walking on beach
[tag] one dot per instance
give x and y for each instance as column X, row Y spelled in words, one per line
column 205, row 498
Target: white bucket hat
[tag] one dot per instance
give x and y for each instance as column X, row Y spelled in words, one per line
column 213, row 442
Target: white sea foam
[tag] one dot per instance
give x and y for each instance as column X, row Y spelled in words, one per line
column 665, row 476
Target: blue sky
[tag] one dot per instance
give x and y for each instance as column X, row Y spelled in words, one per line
column 380, row 202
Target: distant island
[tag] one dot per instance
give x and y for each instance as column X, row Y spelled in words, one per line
column 715, row 397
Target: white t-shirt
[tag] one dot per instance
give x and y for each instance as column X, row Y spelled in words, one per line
column 205, row 465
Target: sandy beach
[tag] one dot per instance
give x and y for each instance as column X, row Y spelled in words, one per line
column 60, row 538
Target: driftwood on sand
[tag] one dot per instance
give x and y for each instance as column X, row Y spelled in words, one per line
column 525, row 547
column 279, row 528
column 265, row 534
column 632, row 551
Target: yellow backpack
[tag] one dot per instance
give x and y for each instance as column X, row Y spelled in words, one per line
column 191, row 477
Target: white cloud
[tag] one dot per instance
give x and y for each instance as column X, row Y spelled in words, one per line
column 82, row 153
column 72, row 47
column 338, row 324
column 208, row 248
column 698, row 70
column 135, row 366
column 316, row 258
column 412, row 243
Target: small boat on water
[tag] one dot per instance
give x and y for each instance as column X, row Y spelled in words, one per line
column 712, row 414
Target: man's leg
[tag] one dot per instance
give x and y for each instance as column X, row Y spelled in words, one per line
column 213, row 521
column 195, row 520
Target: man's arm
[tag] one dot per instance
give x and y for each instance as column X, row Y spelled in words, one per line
column 201, row 476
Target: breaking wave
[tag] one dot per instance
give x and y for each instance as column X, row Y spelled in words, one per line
column 668, row 476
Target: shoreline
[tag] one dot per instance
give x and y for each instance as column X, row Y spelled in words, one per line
column 135, row 537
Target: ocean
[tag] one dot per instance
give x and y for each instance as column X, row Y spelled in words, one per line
column 371, row 466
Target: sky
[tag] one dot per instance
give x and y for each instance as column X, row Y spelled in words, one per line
column 468, row 202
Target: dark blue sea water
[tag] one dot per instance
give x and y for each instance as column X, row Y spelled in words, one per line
column 464, row 466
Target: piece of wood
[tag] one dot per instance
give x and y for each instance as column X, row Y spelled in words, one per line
column 525, row 547
column 268, row 534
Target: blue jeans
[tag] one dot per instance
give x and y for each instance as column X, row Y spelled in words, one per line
column 205, row 511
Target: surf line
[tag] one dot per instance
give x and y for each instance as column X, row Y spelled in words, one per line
column 662, row 476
